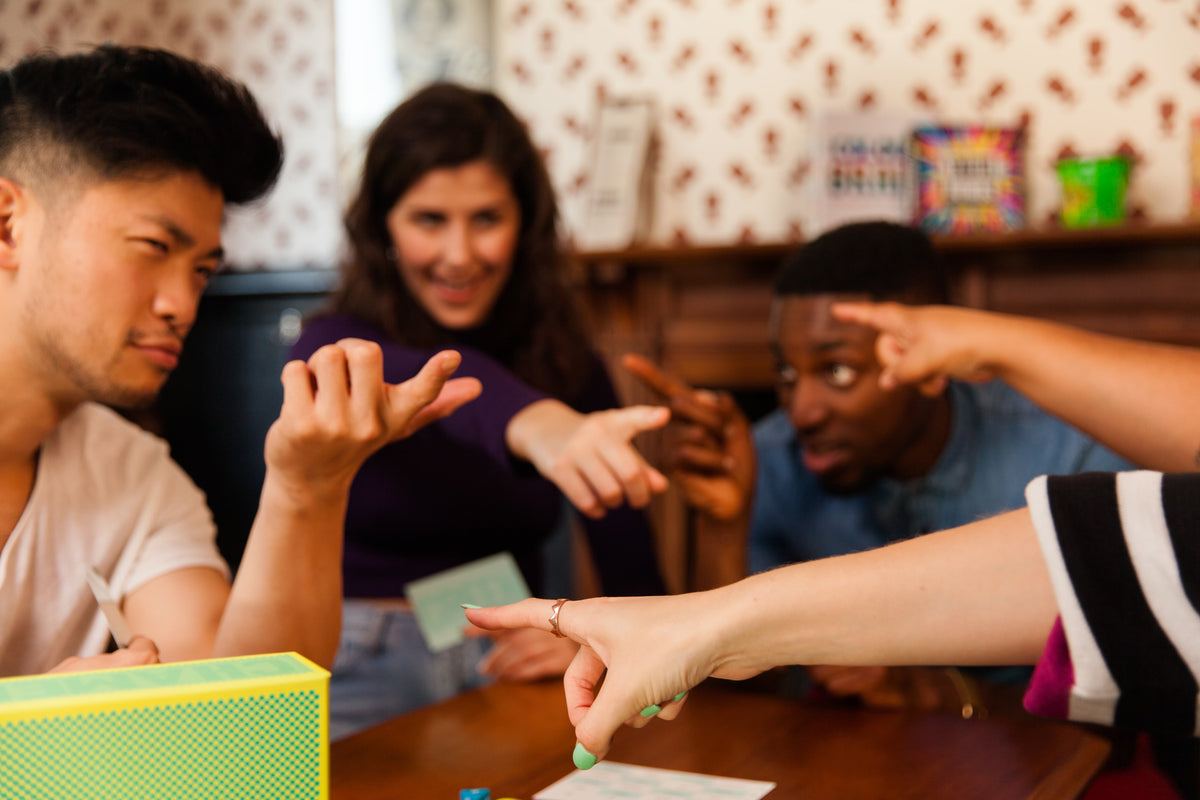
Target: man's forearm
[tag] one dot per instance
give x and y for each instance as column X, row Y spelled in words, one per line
column 288, row 591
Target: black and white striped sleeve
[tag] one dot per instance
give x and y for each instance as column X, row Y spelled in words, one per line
column 1123, row 551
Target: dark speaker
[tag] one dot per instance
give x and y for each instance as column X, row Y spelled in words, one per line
column 216, row 408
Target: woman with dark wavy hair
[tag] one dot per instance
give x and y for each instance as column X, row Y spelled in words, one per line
column 454, row 241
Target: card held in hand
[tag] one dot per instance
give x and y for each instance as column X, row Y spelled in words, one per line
column 437, row 599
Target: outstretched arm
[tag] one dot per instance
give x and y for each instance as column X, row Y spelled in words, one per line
column 1135, row 397
column 336, row 412
column 929, row 600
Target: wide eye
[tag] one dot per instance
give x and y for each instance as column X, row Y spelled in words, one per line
column 841, row 376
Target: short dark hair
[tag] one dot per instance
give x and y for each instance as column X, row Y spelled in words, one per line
column 122, row 111
column 881, row 259
column 534, row 329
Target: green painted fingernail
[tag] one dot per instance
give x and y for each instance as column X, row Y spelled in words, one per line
column 582, row 758
column 650, row 711
column 469, row 605
column 680, row 696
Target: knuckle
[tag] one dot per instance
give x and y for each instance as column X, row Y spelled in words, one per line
column 327, row 354
column 362, row 351
column 371, row 428
column 629, row 474
column 611, row 497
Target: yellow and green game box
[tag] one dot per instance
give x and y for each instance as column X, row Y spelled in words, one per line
column 250, row 727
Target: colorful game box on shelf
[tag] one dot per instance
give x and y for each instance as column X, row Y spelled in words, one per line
column 250, row 727
column 970, row 179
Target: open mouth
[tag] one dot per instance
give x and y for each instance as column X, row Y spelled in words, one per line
column 821, row 460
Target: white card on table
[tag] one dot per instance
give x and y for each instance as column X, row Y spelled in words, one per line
column 607, row 780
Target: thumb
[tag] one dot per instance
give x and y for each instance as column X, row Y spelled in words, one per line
column 429, row 395
column 595, row 731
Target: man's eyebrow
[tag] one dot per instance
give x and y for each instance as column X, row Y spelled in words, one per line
column 830, row 345
column 822, row 347
column 182, row 237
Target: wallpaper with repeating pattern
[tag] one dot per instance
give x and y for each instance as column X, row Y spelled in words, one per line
column 739, row 83
column 282, row 49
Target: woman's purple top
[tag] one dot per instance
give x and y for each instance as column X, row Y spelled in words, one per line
column 452, row 493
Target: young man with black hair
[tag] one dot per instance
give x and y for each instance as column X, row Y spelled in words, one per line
column 115, row 169
column 843, row 465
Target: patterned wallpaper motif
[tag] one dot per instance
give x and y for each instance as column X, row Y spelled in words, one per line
column 738, row 84
column 282, row 49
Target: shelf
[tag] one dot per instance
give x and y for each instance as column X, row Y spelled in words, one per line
column 272, row 282
column 1131, row 235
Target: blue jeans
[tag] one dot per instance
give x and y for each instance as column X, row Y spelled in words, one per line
column 383, row 668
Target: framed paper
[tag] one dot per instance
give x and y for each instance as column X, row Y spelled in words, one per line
column 617, row 213
column 969, row 179
column 863, row 168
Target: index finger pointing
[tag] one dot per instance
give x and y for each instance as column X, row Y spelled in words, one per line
column 881, row 316
column 632, row 420
column 666, row 385
column 532, row 612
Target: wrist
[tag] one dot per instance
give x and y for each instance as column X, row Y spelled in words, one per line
column 536, row 432
column 757, row 627
column 304, row 498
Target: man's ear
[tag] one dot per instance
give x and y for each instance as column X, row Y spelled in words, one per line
column 12, row 208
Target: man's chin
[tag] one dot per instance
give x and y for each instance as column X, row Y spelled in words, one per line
column 130, row 398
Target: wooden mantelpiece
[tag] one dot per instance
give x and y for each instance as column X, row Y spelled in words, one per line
column 702, row 312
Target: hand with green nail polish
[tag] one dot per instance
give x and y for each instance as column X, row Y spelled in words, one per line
column 582, row 758
column 919, row 601
column 598, row 711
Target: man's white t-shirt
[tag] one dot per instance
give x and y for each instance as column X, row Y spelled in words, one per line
column 108, row 495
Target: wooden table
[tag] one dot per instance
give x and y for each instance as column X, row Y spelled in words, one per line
column 516, row 740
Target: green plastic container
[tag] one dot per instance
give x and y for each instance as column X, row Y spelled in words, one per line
column 1093, row 191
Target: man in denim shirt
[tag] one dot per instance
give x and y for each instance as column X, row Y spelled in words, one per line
column 843, row 465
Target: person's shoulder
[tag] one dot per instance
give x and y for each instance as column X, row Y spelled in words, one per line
column 995, row 398
column 774, row 430
column 107, row 442
column 1007, row 422
column 92, row 421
